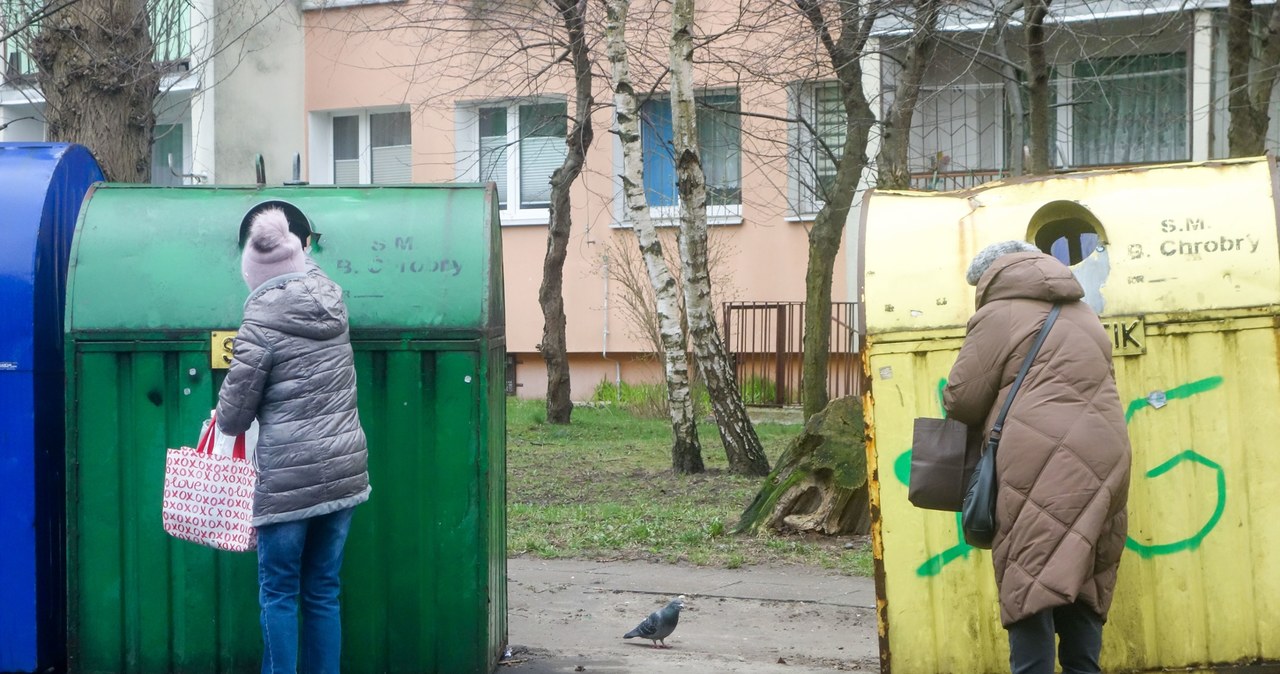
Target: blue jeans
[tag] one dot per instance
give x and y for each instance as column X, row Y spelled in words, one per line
column 302, row 559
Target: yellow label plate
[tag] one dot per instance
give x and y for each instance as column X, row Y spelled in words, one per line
column 1128, row 335
column 221, row 346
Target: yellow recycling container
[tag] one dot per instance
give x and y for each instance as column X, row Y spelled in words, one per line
column 1182, row 264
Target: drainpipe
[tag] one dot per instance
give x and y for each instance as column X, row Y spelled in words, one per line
column 604, row 338
column 203, row 122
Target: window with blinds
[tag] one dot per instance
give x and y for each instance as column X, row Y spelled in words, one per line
column 346, row 150
column 493, row 150
column 372, row 147
column 390, row 148
column 542, row 150
column 520, row 147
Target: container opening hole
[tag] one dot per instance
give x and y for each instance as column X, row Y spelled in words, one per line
column 299, row 224
column 1067, row 231
column 1071, row 241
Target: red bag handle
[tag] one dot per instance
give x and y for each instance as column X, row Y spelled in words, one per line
column 206, row 441
column 205, row 446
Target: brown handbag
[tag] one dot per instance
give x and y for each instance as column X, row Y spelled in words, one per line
column 944, row 453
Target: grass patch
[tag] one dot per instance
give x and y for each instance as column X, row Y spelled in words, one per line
column 646, row 401
column 602, row 488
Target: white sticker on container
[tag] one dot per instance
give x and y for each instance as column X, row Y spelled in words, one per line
column 8, row 366
column 886, row 372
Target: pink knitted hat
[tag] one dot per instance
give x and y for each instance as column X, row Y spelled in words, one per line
column 271, row 250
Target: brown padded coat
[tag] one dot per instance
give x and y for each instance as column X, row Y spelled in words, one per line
column 1063, row 460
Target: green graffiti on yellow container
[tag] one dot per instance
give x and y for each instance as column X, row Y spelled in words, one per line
column 935, row 564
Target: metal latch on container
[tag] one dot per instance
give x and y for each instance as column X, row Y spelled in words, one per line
column 221, row 347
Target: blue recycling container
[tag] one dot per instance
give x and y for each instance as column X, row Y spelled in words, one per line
column 41, row 188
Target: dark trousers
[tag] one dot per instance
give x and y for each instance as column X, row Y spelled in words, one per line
column 1079, row 630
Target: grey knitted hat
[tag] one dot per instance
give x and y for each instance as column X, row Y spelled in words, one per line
column 271, row 250
column 985, row 257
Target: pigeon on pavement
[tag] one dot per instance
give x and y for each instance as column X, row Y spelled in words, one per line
column 660, row 624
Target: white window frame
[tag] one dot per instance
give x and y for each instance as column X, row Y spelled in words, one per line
column 25, row 122
column 973, row 91
column 803, row 103
column 183, row 163
column 467, row 154
column 312, row 5
column 1064, row 140
column 320, row 142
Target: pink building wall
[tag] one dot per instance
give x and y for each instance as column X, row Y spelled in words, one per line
column 347, row 69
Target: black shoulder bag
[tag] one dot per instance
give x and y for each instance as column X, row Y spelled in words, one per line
column 978, row 514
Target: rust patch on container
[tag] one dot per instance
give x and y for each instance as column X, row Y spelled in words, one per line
column 873, row 497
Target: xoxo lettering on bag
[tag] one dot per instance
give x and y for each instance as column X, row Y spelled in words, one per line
column 208, row 495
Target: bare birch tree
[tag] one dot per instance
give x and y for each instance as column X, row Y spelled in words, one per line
column 686, row 451
column 741, row 444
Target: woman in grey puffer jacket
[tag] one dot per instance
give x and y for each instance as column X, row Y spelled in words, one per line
column 294, row 371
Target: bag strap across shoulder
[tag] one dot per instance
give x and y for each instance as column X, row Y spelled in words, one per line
column 998, row 427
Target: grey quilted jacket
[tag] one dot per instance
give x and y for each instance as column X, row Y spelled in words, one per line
column 294, row 371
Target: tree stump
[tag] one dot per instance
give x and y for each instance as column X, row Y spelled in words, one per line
column 820, row 482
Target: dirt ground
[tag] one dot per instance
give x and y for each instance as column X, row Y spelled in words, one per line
column 569, row 617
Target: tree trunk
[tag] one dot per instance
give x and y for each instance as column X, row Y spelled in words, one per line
column 741, row 444
column 686, row 451
column 893, row 170
column 1039, row 161
column 551, row 293
column 1012, row 90
column 820, row 482
column 828, row 226
column 100, row 83
column 824, row 243
column 1250, row 79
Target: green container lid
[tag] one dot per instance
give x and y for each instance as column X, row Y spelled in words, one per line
column 168, row 259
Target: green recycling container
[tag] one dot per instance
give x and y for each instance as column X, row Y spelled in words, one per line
column 154, row 298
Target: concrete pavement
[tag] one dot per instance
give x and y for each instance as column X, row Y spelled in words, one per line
column 569, row 616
